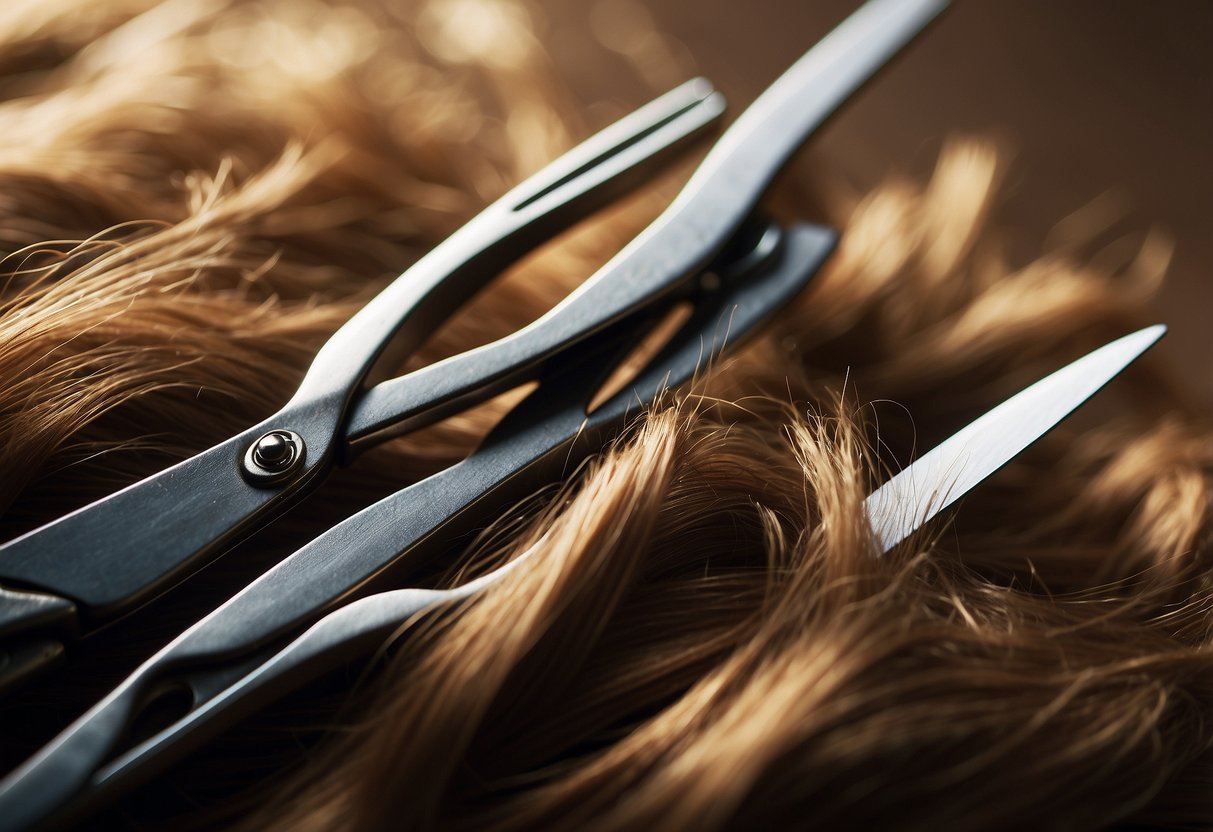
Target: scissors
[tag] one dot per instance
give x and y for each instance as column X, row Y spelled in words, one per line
column 732, row 268
column 261, row 644
column 52, row 592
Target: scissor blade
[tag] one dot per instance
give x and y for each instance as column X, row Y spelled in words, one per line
column 948, row 471
column 678, row 244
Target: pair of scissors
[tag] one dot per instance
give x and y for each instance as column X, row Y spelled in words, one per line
column 63, row 581
column 709, row 250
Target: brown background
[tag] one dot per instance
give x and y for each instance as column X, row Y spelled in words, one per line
column 1094, row 99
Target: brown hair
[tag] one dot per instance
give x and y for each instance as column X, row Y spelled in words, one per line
column 703, row 637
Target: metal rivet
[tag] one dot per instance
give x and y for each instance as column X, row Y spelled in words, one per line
column 274, row 451
column 274, row 457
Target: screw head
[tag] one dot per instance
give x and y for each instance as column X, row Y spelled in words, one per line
column 273, row 458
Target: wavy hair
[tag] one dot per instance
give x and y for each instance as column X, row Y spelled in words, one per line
column 195, row 193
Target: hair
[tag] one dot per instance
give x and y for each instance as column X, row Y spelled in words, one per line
column 196, row 193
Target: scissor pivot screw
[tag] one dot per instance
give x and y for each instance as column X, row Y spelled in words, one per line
column 274, row 457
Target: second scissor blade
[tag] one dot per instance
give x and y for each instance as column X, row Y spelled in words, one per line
column 951, row 469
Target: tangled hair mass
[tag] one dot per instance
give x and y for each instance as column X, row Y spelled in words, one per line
column 196, row 193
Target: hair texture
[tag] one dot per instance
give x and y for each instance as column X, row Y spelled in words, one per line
column 196, row 193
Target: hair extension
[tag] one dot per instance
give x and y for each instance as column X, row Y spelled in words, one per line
column 196, row 193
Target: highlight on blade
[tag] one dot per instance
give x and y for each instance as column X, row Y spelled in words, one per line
column 951, row 469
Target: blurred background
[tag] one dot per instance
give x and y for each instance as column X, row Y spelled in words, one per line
column 1104, row 110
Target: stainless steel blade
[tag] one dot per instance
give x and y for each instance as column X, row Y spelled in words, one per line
column 949, row 470
column 696, row 226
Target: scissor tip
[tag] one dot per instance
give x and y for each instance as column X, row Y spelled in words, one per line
column 705, row 95
column 1147, row 337
column 697, row 96
column 700, row 87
